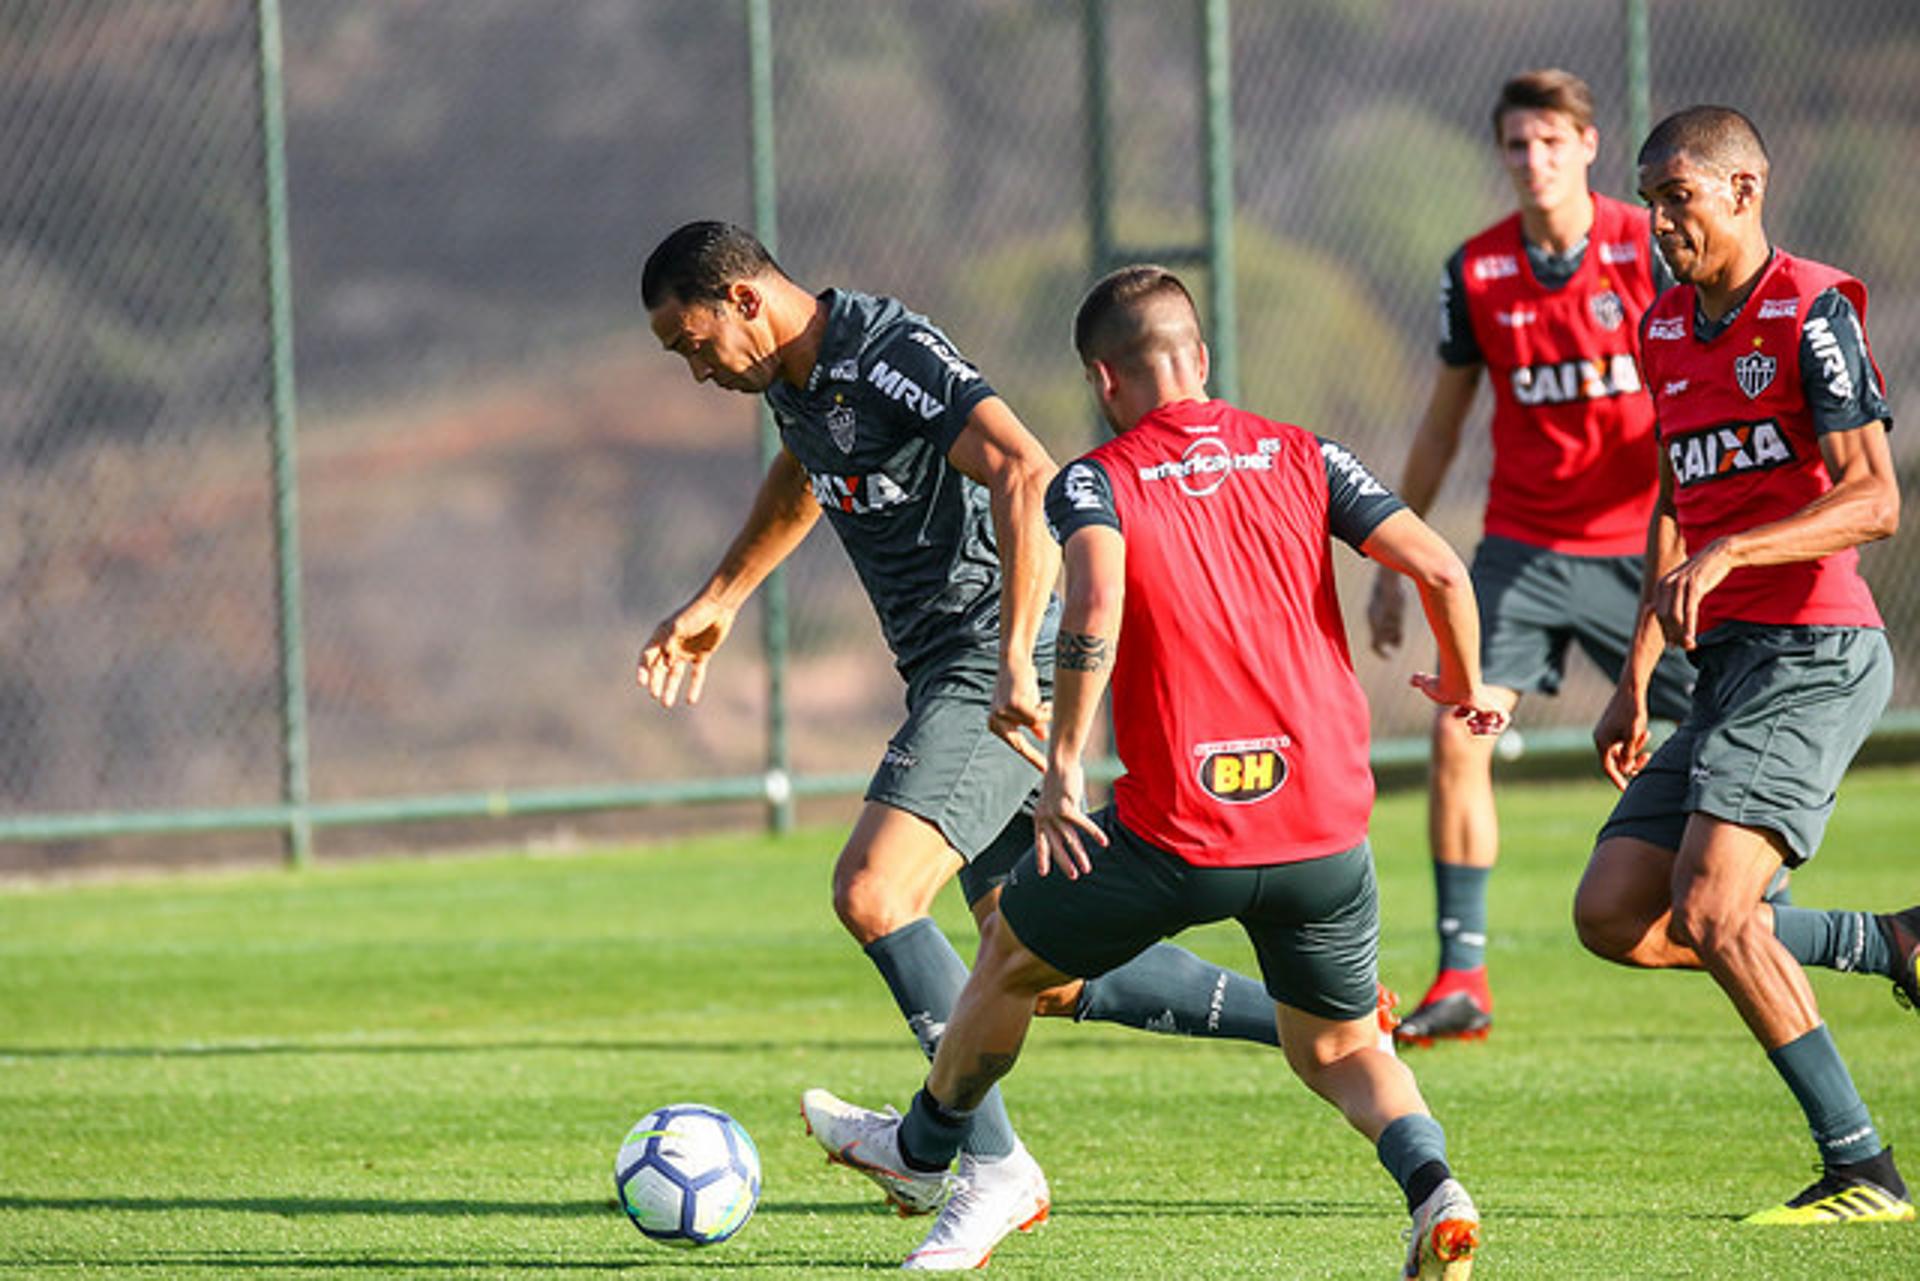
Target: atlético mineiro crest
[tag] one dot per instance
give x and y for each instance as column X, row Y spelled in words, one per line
column 840, row 425
column 1608, row 311
column 1754, row 372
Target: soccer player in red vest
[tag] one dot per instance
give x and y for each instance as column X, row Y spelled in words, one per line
column 936, row 490
column 1199, row 571
column 1547, row 301
column 1774, row 468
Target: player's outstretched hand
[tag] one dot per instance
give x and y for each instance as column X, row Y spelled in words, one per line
column 678, row 651
column 1061, row 825
column 1480, row 710
column 1385, row 608
column 1019, row 711
column 1621, row 737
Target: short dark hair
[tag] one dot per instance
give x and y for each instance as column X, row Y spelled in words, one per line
column 1719, row 138
column 1112, row 323
column 697, row 262
column 1545, row 89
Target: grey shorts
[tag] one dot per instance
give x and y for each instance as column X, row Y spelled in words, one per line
column 1314, row 924
column 1535, row 603
column 944, row 765
column 1777, row 716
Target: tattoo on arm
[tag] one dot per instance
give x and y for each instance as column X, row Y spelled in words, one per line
column 1082, row 652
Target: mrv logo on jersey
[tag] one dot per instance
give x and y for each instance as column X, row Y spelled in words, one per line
column 1732, row 450
column 1243, row 770
column 1571, row 380
column 898, row 386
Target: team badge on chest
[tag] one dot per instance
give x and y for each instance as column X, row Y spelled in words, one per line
column 1608, row 311
column 841, row 424
column 1754, row 372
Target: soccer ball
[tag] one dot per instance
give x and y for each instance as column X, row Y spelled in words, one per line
column 688, row 1175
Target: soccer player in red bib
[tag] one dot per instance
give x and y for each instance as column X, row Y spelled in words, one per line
column 1200, row 581
column 1547, row 302
column 1774, row 468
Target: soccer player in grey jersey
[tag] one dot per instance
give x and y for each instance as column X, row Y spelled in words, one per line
column 935, row 489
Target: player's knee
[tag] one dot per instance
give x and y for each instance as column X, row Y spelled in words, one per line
column 1456, row 750
column 1603, row 926
column 869, row 907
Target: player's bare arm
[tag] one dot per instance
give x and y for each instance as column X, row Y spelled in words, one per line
column 1407, row 546
column 782, row 513
column 1862, row 507
column 1428, row 461
column 1620, row 735
column 1096, row 559
column 996, row 449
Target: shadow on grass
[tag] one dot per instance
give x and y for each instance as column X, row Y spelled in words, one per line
column 228, row 1263
column 292, row 1207
column 193, row 1050
column 1252, row 1207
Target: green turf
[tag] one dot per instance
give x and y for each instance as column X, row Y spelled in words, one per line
column 424, row 1069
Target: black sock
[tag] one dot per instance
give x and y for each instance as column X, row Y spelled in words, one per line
column 1878, row 1168
column 931, row 1135
column 1422, row 1182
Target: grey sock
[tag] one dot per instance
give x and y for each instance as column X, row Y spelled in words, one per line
column 1169, row 989
column 1849, row 941
column 925, row 975
column 1814, row 1071
column 1408, row 1147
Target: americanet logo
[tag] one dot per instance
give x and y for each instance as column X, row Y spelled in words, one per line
column 1243, row 771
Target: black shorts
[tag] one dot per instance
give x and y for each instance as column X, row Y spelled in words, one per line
column 1535, row 603
column 1778, row 715
column 945, row 766
column 1315, row 923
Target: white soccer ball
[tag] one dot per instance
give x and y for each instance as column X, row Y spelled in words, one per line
column 688, row 1175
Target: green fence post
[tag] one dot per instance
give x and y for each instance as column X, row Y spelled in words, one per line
column 286, row 505
column 773, row 596
column 1639, row 84
column 1217, row 52
column 1093, row 32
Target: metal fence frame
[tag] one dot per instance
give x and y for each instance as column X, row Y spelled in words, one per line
column 296, row 816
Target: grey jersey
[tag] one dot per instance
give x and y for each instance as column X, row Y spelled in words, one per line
column 887, row 397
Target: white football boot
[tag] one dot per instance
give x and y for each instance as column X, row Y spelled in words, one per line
column 868, row 1141
column 1444, row 1235
column 992, row 1199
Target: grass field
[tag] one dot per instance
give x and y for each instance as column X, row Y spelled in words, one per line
column 423, row 1068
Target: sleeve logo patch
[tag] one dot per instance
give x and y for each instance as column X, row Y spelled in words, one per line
column 1081, row 489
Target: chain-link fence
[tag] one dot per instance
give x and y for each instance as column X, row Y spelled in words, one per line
column 503, row 483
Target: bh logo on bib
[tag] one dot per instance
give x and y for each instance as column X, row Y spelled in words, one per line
column 1244, row 770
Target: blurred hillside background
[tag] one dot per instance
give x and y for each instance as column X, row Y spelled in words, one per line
column 503, row 482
